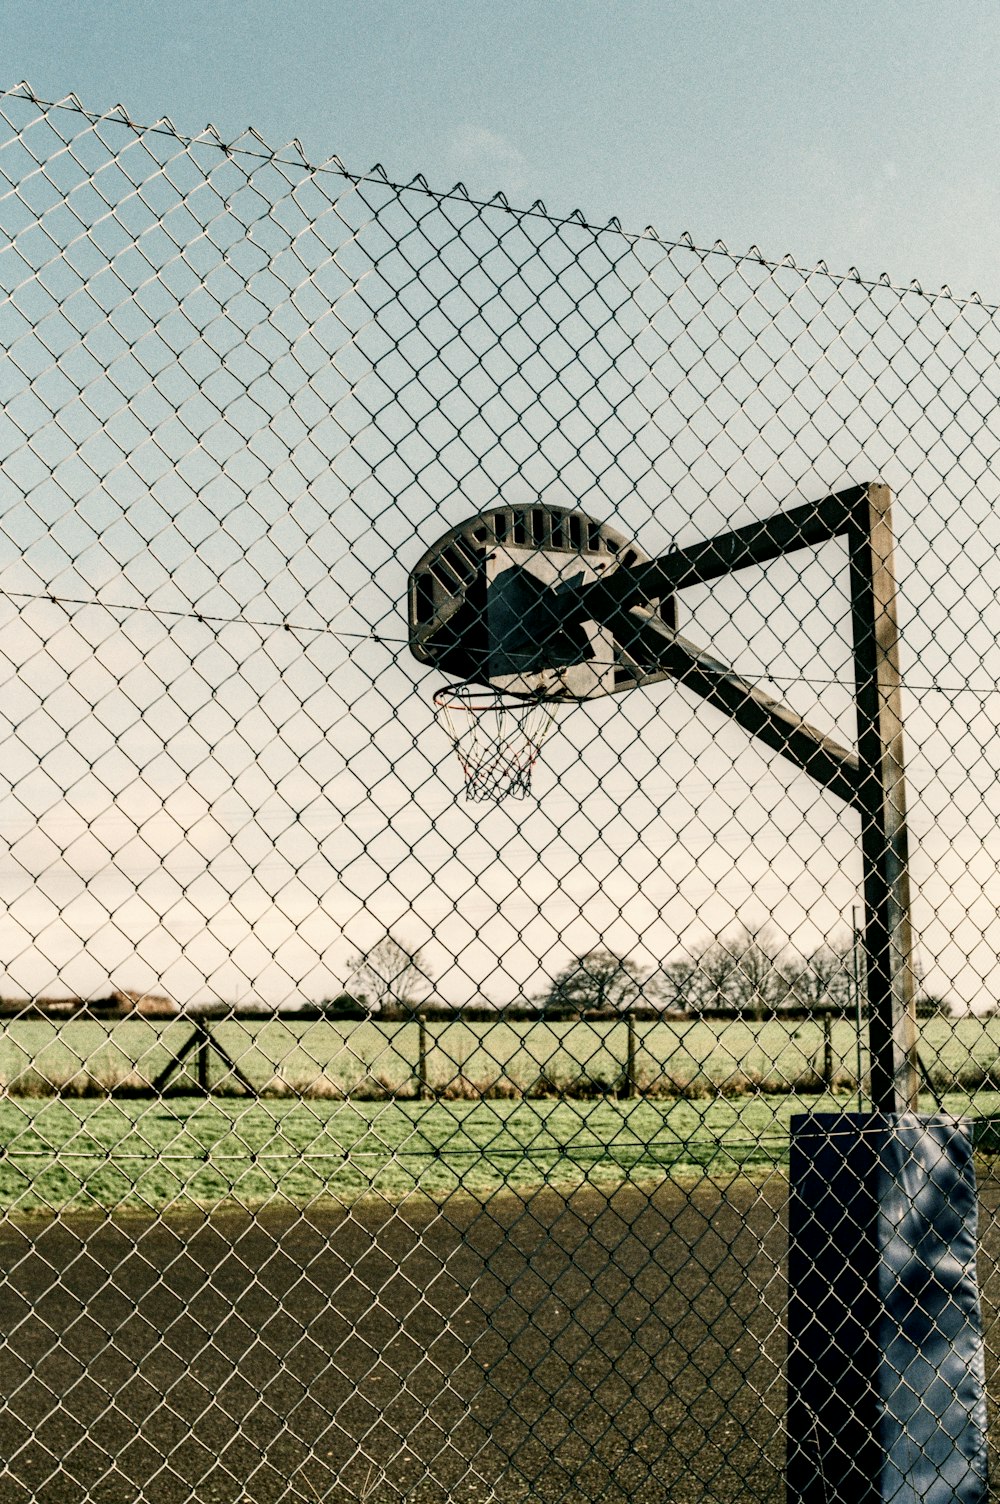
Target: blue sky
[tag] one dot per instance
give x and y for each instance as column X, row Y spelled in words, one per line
column 861, row 132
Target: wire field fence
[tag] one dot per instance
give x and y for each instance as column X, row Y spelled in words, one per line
column 359, row 1140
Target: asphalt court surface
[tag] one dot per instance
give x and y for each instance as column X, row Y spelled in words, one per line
column 615, row 1347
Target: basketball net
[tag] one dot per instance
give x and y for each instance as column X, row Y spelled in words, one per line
column 497, row 737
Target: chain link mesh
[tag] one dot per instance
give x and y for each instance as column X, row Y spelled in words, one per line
column 359, row 1142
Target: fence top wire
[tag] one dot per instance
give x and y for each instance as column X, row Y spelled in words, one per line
column 251, row 144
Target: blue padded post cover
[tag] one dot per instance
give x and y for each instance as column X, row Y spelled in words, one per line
column 885, row 1359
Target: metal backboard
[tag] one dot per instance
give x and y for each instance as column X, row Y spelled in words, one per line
column 483, row 607
column 532, row 651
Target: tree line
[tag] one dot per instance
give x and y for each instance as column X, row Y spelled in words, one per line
column 745, row 973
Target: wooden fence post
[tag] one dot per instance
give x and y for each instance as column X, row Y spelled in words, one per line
column 203, row 1046
column 423, row 1088
column 631, row 1084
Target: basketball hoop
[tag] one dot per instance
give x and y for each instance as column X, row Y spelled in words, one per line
column 497, row 737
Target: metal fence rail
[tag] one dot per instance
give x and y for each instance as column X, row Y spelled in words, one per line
column 361, row 1140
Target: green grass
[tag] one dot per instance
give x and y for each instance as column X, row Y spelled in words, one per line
column 73, row 1155
column 347, row 1054
column 93, row 1154
column 59, row 1153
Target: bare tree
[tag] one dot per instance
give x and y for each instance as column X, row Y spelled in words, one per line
column 391, row 978
column 762, row 975
column 598, row 982
column 744, row 972
column 712, row 984
column 825, row 978
column 674, row 985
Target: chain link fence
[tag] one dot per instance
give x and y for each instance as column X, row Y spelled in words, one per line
column 362, row 1141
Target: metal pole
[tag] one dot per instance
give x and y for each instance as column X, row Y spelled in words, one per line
column 881, row 800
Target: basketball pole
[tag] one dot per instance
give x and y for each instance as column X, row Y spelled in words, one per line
column 875, row 1198
column 871, row 779
column 881, row 800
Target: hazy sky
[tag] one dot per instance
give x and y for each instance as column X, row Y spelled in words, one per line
column 860, row 132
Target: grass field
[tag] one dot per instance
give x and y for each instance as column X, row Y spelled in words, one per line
column 87, row 1154
column 346, row 1055
column 74, row 1152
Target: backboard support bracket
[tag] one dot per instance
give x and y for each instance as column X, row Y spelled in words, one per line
column 871, row 779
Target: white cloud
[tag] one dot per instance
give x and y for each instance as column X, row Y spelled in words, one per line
column 486, row 161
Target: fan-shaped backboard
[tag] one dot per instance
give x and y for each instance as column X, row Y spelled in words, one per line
column 483, row 603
